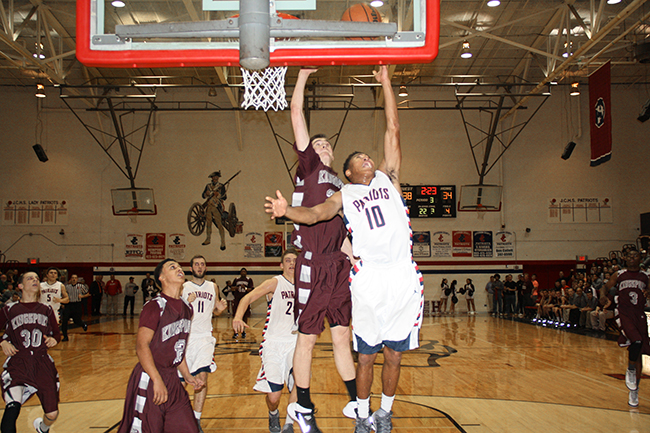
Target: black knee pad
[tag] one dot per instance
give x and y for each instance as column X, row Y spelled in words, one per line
column 635, row 351
column 12, row 410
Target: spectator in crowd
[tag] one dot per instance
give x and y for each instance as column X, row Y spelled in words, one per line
column 604, row 311
column 130, row 289
column 542, row 303
column 229, row 297
column 498, row 288
column 3, row 283
column 585, row 312
column 113, row 289
column 445, row 291
column 72, row 310
column 96, row 291
column 489, row 288
column 147, row 287
column 15, row 298
column 243, row 285
column 509, row 296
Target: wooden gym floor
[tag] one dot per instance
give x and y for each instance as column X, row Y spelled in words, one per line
column 473, row 374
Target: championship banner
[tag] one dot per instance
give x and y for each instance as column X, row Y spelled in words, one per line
column 134, row 246
column 155, row 246
column 462, row 244
column 176, row 246
column 600, row 115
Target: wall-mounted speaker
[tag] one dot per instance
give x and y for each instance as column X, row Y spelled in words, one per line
column 40, row 152
column 568, row 150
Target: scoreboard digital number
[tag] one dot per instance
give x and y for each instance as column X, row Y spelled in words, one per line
column 430, row 201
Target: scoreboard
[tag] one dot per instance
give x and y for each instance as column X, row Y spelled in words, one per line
column 430, row 201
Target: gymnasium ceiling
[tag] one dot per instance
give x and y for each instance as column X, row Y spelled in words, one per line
column 518, row 41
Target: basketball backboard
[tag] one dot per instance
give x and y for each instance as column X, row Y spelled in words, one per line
column 188, row 33
column 139, row 201
column 480, row 198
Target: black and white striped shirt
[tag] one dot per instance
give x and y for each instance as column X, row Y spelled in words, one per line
column 74, row 291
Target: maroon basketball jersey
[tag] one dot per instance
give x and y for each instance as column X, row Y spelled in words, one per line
column 170, row 319
column 27, row 324
column 315, row 182
column 630, row 299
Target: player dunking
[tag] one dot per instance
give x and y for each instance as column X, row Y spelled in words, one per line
column 53, row 291
column 630, row 301
column 278, row 342
column 30, row 329
column 155, row 398
column 386, row 286
column 204, row 297
column 322, row 269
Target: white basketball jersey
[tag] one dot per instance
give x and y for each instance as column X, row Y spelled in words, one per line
column 377, row 218
column 203, row 305
column 49, row 292
column 279, row 314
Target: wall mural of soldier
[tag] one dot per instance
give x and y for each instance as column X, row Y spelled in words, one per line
column 201, row 216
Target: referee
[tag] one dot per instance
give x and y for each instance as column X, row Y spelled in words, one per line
column 76, row 291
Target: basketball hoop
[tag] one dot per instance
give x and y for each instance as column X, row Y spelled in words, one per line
column 481, row 211
column 265, row 89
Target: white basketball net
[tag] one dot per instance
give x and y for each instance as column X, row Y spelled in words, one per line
column 265, row 89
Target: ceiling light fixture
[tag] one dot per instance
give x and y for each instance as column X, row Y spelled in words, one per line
column 118, row 3
column 466, row 53
column 40, row 90
column 212, row 92
column 613, row 2
column 493, row 3
column 575, row 90
column 376, row 3
column 403, row 91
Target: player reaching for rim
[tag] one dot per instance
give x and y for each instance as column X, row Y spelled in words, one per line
column 386, row 285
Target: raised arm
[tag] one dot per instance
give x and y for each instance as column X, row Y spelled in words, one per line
column 300, row 131
column 278, row 207
column 392, row 149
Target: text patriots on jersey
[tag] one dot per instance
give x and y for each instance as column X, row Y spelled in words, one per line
column 181, row 325
column 204, row 295
column 287, row 295
column 373, row 194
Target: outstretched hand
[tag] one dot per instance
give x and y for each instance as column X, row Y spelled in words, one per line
column 277, row 207
column 382, row 74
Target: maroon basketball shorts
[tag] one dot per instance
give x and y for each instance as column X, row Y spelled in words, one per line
column 141, row 415
column 38, row 375
column 322, row 290
column 634, row 327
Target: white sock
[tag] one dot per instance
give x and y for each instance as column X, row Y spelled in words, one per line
column 363, row 407
column 387, row 402
column 288, row 420
column 197, row 415
column 273, row 412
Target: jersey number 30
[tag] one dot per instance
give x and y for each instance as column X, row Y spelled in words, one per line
column 32, row 339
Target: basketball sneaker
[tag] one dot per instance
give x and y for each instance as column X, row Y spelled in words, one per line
column 363, row 425
column 382, row 421
column 350, row 409
column 198, row 421
column 288, row 428
column 274, row 423
column 39, row 421
column 634, row 398
column 630, row 379
column 304, row 417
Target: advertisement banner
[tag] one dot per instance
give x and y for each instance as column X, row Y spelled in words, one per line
column 441, row 244
column 176, row 246
column 462, row 244
column 155, row 246
column 483, row 244
column 421, row 244
column 273, row 243
column 253, row 246
column 134, row 246
column 504, row 246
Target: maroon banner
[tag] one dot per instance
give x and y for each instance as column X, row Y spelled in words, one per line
column 600, row 115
